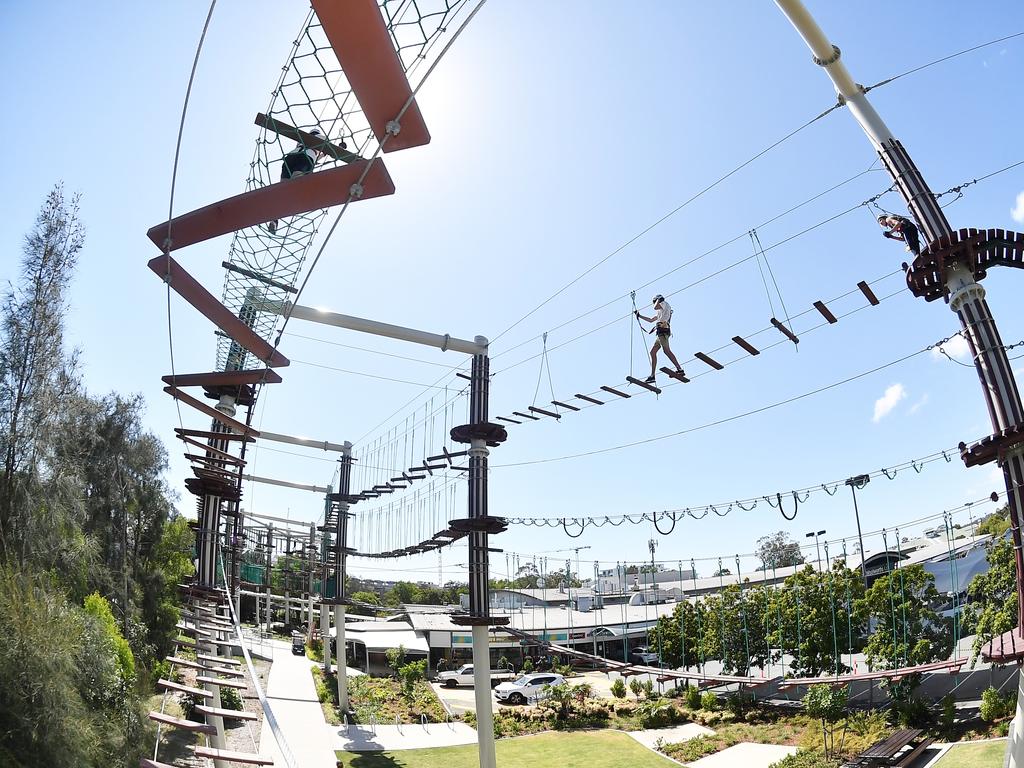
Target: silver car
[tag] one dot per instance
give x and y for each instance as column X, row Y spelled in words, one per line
column 531, row 687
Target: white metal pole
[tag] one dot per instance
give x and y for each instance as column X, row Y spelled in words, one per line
column 444, row 342
column 342, row 660
column 482, row 696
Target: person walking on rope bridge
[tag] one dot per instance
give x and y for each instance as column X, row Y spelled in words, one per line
column 298, row 162
column 901, row 228
column 663, row 327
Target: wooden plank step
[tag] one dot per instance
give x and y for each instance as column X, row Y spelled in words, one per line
column 249, row 758
column 147, row 763
column 227, row 714
column 675, row 374
column 214, row 435
column 311, row 192
column 360, row 39
column 213, row 413
column 644, row 384
column 170, row 685
column 226, row 671
column 186, row 286
column 191, row 630
column 219, row 659
column 185, row 725
column 224, row 378
column 178, row 662
column 308, row 140
column 222, row 683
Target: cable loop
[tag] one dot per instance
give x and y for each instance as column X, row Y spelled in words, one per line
column 565, row 527
column 917, row 467
column 796, row 504
column 753, row 503
column 658, row 528
column 885, row 472
column 772, row 504
column 833, row 491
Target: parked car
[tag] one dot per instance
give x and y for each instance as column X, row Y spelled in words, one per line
column 531, row 687
column 464, row 676
column 645, row 655
column 298, row 644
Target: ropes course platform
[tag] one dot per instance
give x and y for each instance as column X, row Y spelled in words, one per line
column 975, row 249
column 1005, row 648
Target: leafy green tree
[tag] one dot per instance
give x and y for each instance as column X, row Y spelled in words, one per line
column 992, row 596
column 409, row 674
column 396, row 657
column 36, row 373
column 734, row 631
column 907, row 630
column 778, row 551
column 811, row 617
column 995, row 524
column 678, row 635
column 828, row 705
column 369, row 598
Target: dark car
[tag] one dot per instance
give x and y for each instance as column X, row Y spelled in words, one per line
column 298, row 644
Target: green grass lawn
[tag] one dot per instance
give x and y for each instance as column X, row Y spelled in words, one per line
column 596, row 749
column 986, row 754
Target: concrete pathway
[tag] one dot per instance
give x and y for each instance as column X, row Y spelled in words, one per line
column 292, row 697
column 672, row 735
column 745, row 755
column 365, row 738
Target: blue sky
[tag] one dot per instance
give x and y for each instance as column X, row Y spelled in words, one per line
column 560, row 131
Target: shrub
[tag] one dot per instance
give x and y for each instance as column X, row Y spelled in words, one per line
column 648, row 688
column 636, row 686
column 913, row 711
column 805, row 758
column 693, row 697
column 409, row 674
column 619, row 689
column 396, row 657
column 229, row 699
column 656, row 714
column 692, row 749
column 527, row 665
column 994, row 706
column 738, row 704
column 709, row 701
column 948, row 716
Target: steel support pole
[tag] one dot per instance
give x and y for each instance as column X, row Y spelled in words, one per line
column 479, row 603
column 965, row 296
column 341, row 575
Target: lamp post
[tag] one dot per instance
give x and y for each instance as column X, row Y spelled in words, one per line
column 817, row 548
column 859, row 481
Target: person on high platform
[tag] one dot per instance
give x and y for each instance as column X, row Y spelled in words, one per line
column 299, row 162
column 901, row 228
column 663, row 327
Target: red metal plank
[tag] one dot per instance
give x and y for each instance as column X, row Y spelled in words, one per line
column 213, row 413
column 360, row 39
column 274, row 201
column 189, row 289
column 825, row 312
column 223, row 378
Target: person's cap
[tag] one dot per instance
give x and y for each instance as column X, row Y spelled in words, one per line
column 883, row 216
column 657, row 297
column 315, row 132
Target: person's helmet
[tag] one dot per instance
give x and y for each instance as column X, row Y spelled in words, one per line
column 883, row 216
column 657, row 297
column 315, row 132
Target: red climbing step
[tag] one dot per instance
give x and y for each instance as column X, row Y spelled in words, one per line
column 223, row 378
column 360, row 40
column 213, row 413
column 274, row 201
column 190, row 290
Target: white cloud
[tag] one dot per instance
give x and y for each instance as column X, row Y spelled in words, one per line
column 888, row 401
column 956, row 348
column 1017, row 212
column 919, row 404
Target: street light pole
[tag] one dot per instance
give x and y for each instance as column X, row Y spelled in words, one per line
column 859, row 481
column 817, row 548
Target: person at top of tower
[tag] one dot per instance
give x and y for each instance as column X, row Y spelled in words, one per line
column 298, row 162
column 901, row 228
column 663, row 327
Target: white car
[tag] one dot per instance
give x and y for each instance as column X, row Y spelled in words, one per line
column 645, row 655
column 531, row 687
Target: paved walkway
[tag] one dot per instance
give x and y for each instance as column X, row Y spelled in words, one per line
column 364, row 738
column 292, row 697
column 745, row 755
column 672, row 735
